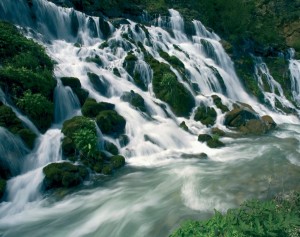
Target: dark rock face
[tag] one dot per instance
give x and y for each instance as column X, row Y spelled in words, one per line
column 63, row 175
column 247, row 121
column 104, row 27
column 135, row 100
column 206, row 115
column 2, row 187
column 211, row 141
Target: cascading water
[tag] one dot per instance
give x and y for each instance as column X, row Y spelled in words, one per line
column 164, row 181
column 294, row 67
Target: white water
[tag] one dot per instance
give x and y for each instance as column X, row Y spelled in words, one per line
column 158, row 188
column 294, row 67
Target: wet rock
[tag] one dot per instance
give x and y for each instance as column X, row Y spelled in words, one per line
column 218, row 132
column 117, row 161
column 218, row 102
column 268, row 120
column 75, row 85
column 107, row 170
column 96, row 59
column 111, row 123
column 124, row 140
column 239, row 117
column 99, row 83
column 200, row 156
column 63, row 175
column 184, row 126
column 117, row 22
column 92, row 27
column 111, row 148
column 116, row 72
column 74, row 24
column 211, row 141
column 91, row 108
column 2, row 187
column 204, row 137
column 104, row 27
column 206, row 115
column 135, row 100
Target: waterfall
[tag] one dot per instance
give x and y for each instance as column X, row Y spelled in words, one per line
column 294, row 66
column 165, row 170
column 66, row 102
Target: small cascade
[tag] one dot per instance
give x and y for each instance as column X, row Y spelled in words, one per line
column 23, row 118
column 275, row 93
column 294, row 67
column 12, row 152
column 66, row 102
column 177, row 25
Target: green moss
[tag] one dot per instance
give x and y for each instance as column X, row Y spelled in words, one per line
column 184, row 126
column 28, row 137
column 168, row 89
column 76, row 123
column 104, row 45
column 173, row 60
column 218, row 102
column 116, row 72
column 110, row 122
column 211, row 141
column 129, row 63
column 9, row 120
column 91, row 108
column 2, row 187
column 63, row 175
column 75, row 85
column 38, row 108
column 95, row 59
column 107, row 170
column 111, row 148
column 135, row 100
column 117, row 161
column 206, row 115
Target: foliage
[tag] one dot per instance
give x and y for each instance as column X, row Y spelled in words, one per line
column 38, row 108
column 279, row 217
column 91, row 108
column 206, row 115
column 86, row 141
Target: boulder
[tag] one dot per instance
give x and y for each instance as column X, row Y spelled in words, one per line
column 135, row 100
column 111, row 148
column 111, row 123
column 184, row 126
column 117, row 161
column 91, row 108
column 218, row 102
column 63, row 175
column 75, row 85
column 211, row 141
column 239, row 117
column 104, row 27
column 218, row 132
column 124, row 140
column 99, row 83
column 206, row 115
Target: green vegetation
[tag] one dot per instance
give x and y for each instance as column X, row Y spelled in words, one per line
column 206, row 115
column 111, row 123
column 211, row 141
column 91, row 108
column 135, row 100
column 38, row 108
column 27, row 75
column 63, row 175
column 278, row 217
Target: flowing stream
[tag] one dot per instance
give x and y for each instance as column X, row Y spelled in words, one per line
column 164, row 181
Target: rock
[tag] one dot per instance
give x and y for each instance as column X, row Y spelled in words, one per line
column 107, row 170
column 239, row 116
column 74, row 23
column 92, row 28
column 95, row 162
column 211, row 141
column 91, row 108
column 184, row 126
column 218, row 132
column 269, row 122
column 206, row 115
column 218, row 102
column 119, row 21
column 96, row 59
column 129, row 63
column 68, row 147
column 204, row 137
column 117, row 161
column 63, row 175
column 75, row 85
column 111, row 123
column 116, row 72
column 123, row 140
column 2, row 187
column 111, row 148
column 99, row 83
column 135, row 100
column 200, row 156
column 28, row 137
column 104, row 27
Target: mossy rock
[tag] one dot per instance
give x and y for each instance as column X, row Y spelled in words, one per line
column 91, row 107
column 103, row 45
column 78, row 122
column 38, row 108
column 111, row 148
column 96, row 59
column 99, row 83
column 206, row 115
column 239, row 116
column 75, row 85
column 124, row 140
column 2, row 187
column 218, row 102
column 184, row 126
column 173, row 60
column 211, row 141
column 168, row 89
column 129, row 63
column 63, row 175
column 104, row 27
column 28, row 137
column 95, row 162
column 110, row 122
column 204, row 137
column 116, row 72
column 135, row 100
column 218, row 132
column 107, row 170
column 68, row 147
column 117, row 161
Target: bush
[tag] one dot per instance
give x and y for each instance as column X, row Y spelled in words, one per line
column 38, row 108
column 278, row 217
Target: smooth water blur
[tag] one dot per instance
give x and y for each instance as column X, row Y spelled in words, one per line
column 164, row 181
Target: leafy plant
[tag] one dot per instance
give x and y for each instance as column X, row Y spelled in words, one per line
column 85, row 141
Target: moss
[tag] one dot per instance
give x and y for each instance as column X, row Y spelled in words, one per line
column 63, row 175
column 135, row 100
column 9, row 120
column 2, row 187
column 204, row 137
column 110, row 122
column 173, row 60
column 184, row 126
column 97, row 60
column 206, row 115
column 211, row 141
column 168, row 89
column 76, row 123
column 28, row 137
column 107, row 170
column 104, row 45
column 75, row 85
column 129, row 63
column 117, row 161
column 111, row 148
column 99, row 83
column 91, row 108
column 218, row 102
column 38, row 108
